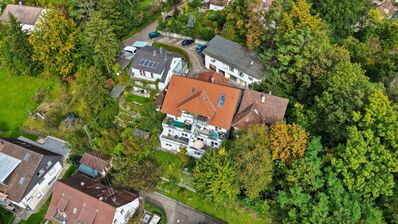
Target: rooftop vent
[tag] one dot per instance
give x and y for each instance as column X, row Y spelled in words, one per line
column 212, row 79
column 252, row 62
column 262, row 98
column 101, row 198
column 82, row 184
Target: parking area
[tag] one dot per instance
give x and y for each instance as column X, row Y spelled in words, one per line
column 197, row 60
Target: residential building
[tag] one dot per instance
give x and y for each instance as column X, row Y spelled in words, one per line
column 94, row 164
column 387, row 8
column 199, row 115
column 233, row 61
column 259, row 108
column 28, row 16
column 80, row 199
column 27, row 173
column 152, row 68
column 50, row 143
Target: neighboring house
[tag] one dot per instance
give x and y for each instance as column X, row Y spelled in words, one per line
column 154, row 66
column 259, row 108
column 28, row 16
column 94, row 165
column 80, row 200
column 51, row 144
column 217, row 5
column 387, row 8
column 27, row 173
column 233, row 61
column 213, row 77
column 199, row 115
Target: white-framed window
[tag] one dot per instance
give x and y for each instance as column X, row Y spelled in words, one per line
column 250, row 78
column 241, row 74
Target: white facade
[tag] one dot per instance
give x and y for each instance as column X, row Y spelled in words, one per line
column 32, row 199
column 190, row 132
column 152, row 77
column 125, row 212
column 229, row 71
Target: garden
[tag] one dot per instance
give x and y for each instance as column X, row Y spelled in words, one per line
column 194, row 22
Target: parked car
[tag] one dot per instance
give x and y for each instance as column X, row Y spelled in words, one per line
column 154, row 34
column 200, row 48
column 187, row 42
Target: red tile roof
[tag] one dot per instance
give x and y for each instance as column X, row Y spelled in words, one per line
column 90, row 203
column 257, row 107
column 201, row 98
column 100, row 163
column 213, row 77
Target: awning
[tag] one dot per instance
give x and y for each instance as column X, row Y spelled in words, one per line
column 88, row 170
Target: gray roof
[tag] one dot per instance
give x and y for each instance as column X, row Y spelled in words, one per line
column 159, row 55
column 117, row 90
column 235, row 55
column 26, row 175
column 24, row 14
column 140, row 133
column 51, row 144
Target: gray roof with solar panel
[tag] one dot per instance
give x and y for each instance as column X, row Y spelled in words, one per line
column 153, row 59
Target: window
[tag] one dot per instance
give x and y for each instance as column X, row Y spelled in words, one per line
column 51, row 171
column 142, row 73
column 151, row 75
column 21, row 180
column 27, row 156
column 251, row 79
column 121, row 212
column 221, row 100
column 213, row 60
column 241, row 74
column 49, row 163
column 115, row 221
column 231, row 68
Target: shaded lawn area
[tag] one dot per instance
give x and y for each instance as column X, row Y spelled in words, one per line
column 5, row 216
column 230, row 213
column 16, row 99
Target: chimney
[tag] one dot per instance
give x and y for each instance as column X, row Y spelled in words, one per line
column 101, row 198
column 270, row 93
column 212, row 79
column 154, row 52
column 20, row 3
column 262, row 98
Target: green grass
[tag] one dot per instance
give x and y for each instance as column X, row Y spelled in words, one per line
column 166, row 159
column 146, row 3
column 68, row 173
column 16, row 99
column 5, row 216
column 157, row 211
column 138, row 99
column 228, row 212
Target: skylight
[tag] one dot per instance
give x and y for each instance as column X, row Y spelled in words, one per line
column 221, row 100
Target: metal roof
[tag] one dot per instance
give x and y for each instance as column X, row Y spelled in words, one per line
column 88, row 170
column 117, row 90
column 236, row 56
column 8, row 165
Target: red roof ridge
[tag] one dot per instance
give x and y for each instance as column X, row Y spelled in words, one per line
column 202, row 98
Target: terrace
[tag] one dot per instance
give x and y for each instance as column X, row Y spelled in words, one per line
column 178, row 124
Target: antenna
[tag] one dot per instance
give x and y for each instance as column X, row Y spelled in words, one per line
column 107, row 181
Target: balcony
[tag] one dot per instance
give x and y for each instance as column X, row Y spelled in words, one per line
column 177, row 124
column 211, row 134
column 176, row 138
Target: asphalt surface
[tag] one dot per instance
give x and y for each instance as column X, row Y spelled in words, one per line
column 142, row 35
column 178, row 213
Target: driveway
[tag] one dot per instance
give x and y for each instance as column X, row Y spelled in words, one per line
column 197, row 60
column 178, row 213
column 142, row 35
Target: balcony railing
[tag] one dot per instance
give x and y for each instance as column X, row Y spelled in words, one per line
column 210, row 133
column 178, row 124
column 176, row 138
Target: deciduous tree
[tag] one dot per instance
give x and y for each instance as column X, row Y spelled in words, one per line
column 54, row 43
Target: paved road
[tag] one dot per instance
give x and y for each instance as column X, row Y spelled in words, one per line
column 178, row 213
column 197, row 60
column 142, row 35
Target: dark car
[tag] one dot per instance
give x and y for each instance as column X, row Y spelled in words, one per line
column 187, row 42
column 75, row 160
column 200, row 48
column 154, row 34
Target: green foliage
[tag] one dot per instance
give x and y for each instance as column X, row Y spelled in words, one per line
column 252, row 155
column 98, row 36
column 15, row 50
column 80, row 10
column 54, row 43
column 214, row 176
column 149, row 119
column 342, row 16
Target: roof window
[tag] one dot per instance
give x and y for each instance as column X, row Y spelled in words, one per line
column 221, row 100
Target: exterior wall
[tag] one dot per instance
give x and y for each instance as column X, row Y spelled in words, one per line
column 123, row 213
column 32, row 199
column 171, row 136
column 216, row 7
column 229, row 71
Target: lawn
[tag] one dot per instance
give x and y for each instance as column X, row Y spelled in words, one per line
column 230, row 213
column 5, row 216
column 16, row 99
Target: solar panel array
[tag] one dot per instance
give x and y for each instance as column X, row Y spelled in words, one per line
column 149, row 63
column 8, row 165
